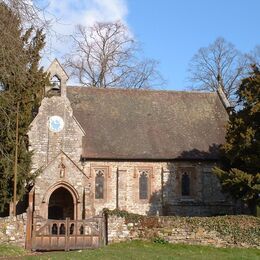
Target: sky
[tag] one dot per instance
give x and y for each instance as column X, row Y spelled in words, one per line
column 170, row 31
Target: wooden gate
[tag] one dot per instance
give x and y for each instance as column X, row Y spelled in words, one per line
column 68, row 234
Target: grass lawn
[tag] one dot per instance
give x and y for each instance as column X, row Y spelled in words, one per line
column 8, row 250
column 146, row 250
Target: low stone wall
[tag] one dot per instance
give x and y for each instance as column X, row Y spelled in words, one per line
column 241, row 231
column 13, row 230
column 186, row 230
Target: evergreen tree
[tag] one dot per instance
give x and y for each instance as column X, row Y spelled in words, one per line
column 21, row 82
column 241, row 174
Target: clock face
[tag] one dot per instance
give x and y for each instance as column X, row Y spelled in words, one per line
column 56, row 124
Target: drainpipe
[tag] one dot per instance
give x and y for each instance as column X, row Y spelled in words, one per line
column 162, row 191
column 117, row 191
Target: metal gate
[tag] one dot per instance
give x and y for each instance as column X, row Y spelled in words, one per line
column 68, row 234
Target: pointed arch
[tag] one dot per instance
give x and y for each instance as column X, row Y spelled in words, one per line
column 73, row 192
column 65, row 185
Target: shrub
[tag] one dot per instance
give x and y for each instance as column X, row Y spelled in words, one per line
column 160, row 240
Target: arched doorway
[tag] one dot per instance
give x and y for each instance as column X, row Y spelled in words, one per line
column 61, row 204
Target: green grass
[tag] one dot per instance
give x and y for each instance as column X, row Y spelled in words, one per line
column 9, row 250
column 144, row 250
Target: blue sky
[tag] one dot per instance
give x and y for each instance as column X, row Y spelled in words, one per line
column 170, row 31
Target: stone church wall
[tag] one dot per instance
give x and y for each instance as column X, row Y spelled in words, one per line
column 57, row 158
column 47, row 144
column 51, row 178
column 121, row 188
column 56, row 155
column 165, row 198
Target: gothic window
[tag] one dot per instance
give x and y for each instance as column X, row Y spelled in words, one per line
column 185, row 185
column 99, row 184
column 143, row 184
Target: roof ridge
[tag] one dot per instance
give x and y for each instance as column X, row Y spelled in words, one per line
column 144, row 90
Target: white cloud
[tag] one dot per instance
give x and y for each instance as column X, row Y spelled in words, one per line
column 65, row 14
column 105, row 11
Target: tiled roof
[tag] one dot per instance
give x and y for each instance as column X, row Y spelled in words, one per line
column 148, row 124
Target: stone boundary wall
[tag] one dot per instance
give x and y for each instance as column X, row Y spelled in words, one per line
column 170, row 230
column 13, row 230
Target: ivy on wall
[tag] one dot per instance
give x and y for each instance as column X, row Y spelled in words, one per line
column 236, row 230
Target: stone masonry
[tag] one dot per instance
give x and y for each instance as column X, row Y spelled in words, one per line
column 177, row 230
column 57, row 159
column 12, row 230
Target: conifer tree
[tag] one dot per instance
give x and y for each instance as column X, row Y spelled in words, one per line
column 241, row 174
column 21, row 82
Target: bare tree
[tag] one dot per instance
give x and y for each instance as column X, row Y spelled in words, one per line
column 219, row 63
column 36, row 14
column 254, row 56
column 29, row 13
column 105, row 55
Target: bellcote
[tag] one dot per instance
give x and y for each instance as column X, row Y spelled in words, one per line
column 58, row 80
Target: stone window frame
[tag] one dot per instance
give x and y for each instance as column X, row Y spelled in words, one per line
column 137, row 171
column 191, row 171
column 106, row 169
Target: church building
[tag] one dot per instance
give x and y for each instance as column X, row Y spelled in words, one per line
column 144, row 151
